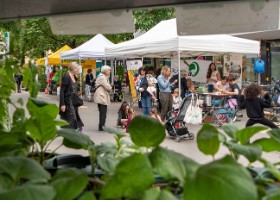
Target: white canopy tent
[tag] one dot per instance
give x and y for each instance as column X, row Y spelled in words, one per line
column 92, row 49
column 162, row 41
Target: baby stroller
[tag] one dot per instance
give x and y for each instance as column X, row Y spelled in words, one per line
column 226, row 113
column 176, row 126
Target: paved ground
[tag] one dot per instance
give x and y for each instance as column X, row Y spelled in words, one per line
column 89, row 115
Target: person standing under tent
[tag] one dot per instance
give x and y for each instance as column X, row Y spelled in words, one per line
column 165, row 95
column 88, row 84
column 142, row 85
column 69, row 85
column 101, row 95
column 213, row 76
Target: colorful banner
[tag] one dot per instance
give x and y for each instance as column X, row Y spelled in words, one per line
column 196, row 69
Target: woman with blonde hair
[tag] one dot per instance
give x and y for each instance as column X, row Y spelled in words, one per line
column 101, row 95
column 69, row 86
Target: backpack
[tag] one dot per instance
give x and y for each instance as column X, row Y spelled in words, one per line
column 93, row 88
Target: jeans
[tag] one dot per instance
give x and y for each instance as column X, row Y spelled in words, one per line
column 87, row 92
column 146, row 104
column 102, row 116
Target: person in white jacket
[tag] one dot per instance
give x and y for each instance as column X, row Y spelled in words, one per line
column 101, row 95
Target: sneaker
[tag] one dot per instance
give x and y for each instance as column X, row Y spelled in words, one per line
column 234, row 119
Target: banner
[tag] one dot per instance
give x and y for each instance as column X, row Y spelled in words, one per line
column 134, row 64
column 196, row 69
column 233, row 66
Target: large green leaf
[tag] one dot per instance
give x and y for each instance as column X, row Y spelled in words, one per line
column 42, row 112
column 208, row 139
column 251, row 151
column 73, row 139
column 230, row 130
column 146, row 131
column 156, row 194
column 18, row 168
column 268, row 145
column 107, row 163
column 172, row 165
column 69, row 184
column 30, row 192
column 245, row 134
column 133, row 175
column 275, row 134
column 221, row 179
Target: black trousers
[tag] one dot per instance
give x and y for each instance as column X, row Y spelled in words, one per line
column 102, row 116
column 262, row 121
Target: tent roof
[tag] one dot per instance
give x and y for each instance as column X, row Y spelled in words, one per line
column 163, row 41
column 54, row 58
column 92, row 49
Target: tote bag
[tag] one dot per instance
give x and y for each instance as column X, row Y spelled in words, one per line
column 194, row 112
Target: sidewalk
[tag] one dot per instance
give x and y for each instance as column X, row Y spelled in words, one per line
column 90, row 116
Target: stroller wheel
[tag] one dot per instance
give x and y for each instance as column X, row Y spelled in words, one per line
column 191, row 136
column 177, row 139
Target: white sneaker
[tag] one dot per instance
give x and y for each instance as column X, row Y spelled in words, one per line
column 234, row 119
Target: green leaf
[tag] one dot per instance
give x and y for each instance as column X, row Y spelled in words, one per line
column 251, row 151
column 275, row 134
column 268, row 145
column 270, row 167
column 230, row 130
column 132, row 176
column 221, row 179
column 30, row 192
column 272, row 195
column 23, row 168
column 59, row 122
column 172, row 165
column 208, row 139
column 156, row 194
column 69, row 184
column 146, row 131
column 107, row 163
column 245, row 134
column 75, row 140
column 87, row 196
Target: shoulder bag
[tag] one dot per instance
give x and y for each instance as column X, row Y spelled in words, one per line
column 77, row 101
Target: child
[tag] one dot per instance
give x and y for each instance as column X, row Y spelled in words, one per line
column 131, row 115
column 152, row 86
column 254, row 105
column 155, row 115
column 123, row 115
column 176, row 100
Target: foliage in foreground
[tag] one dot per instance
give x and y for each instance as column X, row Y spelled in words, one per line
column 122, row 170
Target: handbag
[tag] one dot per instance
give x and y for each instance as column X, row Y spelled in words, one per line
column 93, row 89
column 194, row 112
column 77, row 101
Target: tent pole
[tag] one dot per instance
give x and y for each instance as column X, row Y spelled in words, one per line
column 179, row 73
column 81, row 87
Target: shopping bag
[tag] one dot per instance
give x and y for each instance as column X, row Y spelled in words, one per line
column 194, row 112
column 77, row 101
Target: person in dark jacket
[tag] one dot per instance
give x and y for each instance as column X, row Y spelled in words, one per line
column 69, row 86
column 255, row 105
column 88, row 84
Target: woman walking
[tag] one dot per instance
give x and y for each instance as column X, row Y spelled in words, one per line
column 68, row 112
column 101, row 95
